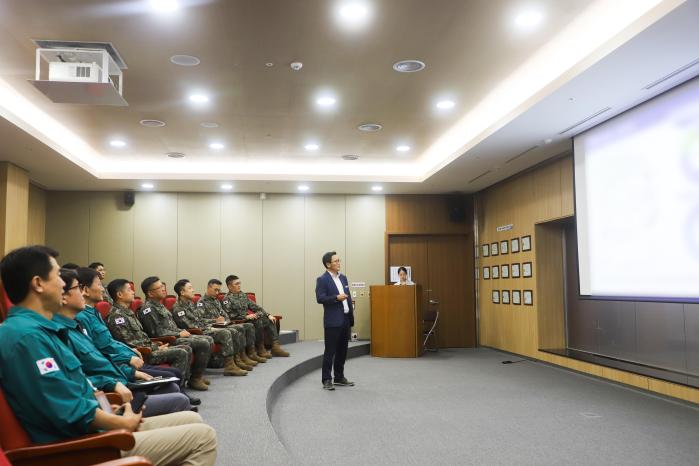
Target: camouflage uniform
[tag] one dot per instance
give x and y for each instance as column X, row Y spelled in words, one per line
column 124, row 326
column 209, row 307
column 158, row 322
column 237, row 305
column 105, row 296
column 186, row 316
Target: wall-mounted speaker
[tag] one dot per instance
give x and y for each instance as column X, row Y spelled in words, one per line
column 456, row 208
column 129, row 198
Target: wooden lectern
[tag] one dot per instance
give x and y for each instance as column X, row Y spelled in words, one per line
column 396, row 321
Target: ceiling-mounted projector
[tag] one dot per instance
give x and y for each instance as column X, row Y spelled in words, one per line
column 80, row 73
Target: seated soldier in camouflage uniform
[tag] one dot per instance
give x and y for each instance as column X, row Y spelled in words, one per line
column 99, row 268
column 187, row 318
column 125, row 327
column 237, row 303
column 157, row 321
column 211, row 310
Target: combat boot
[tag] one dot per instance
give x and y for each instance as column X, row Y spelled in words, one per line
column 206, row 381
column 196, row 383
column 241, row 364
column 277, row 350
column 244, row 357
column 231, row 368
column 252, row 354
column 262, row 351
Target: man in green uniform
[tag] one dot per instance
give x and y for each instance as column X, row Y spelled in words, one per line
column 99, row 268
column 236, row 303
column 124, row 326
column 211, row 309
column 157, row 322
column 104, row 374
column 46, row 388
column 185, row 316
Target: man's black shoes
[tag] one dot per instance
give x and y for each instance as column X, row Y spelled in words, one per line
column 343, row 382
column 328, row 385
column 193, row 400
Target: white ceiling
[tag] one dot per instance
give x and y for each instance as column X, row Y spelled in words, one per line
column 264, row 112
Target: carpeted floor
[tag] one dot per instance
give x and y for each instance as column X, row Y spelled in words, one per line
column 465, row 407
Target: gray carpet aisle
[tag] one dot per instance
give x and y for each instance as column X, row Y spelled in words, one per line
column 465, row 407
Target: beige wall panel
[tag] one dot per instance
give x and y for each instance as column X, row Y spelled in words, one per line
column 365, row 261
column 111, row 239
column 155, row 238
column 36, row 222
column 283, row 260
column 241, row 241
column 198, row 239
column 68, row 225
column 325, row 231
column 567, row 187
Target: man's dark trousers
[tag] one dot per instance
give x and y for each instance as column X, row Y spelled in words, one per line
column 336, row 339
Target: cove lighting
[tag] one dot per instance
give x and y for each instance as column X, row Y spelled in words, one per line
column 227, row 186
column 311, row 147
column 445, row 104
column 302, row 187
column 353, row 14
column 528, row 20
column 117, row 143
column 165, row 6
column 147, row 185
column 403, row 148
column 199, row 98
column 216, row 146
column 377, row 188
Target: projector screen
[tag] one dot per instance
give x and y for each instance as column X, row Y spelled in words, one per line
column 637, row 200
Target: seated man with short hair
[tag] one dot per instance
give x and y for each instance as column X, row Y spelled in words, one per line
column 102, row 272
column 236, row 303
column 46, row 388
column 124, row 326
column 158, row 322
column 103, row 374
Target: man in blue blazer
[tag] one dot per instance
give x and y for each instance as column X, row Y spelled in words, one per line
column 332, row 291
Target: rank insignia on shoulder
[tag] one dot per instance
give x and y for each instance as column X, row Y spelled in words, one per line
column 119, row 321
column 47, row 365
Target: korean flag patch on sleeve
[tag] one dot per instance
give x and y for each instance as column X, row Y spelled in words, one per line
column 200, row 304
column 225, row 302
column 146, row 311
column 119, row 321
column 181, row 313
column 47, row 365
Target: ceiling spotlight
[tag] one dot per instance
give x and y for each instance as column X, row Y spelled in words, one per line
column 403, row 148
column 227, row 186
column 377, row 188
column 152, row 123
column 445, row 104
column 369, row 127
column 409, row 66
column 529, row 20
column 199, row 98
column 175, row 155
column 269, row 64
column 117, row 143
column 147, row 185
column 311, row 146
column 216, row 146
column 303, row 187
column 350, row 157
column 185, row 60
column 208, row 124
column 326, row 101
column 165, row 6
column 353, row 13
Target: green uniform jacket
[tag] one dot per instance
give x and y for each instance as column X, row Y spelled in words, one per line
column 209, row 308
column 114, row 350
column 42, row 379
column 101, row 371
column 124, row 326
column 185, row 315
column 157, row 320
column 237, row 305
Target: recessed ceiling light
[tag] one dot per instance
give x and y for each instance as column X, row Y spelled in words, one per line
column 117, row 143
column 528, row 20
column 199, row 98
column 445, row 104
column 409, row 66
column 377, row 188
column 350, row 157
column 326, row 101
column 216, row 146
column 152, row 123
column 208, row 124
column 175, row 155
column 147, row 185
column 311, row 146
column 370, row 127
column 185, row 60
column 227, row 186
column 403, row 148
column 354, row 13
column 269, row 64
column 302, row 187
column 165, row 6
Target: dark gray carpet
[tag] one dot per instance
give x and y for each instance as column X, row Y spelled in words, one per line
column 465, row 407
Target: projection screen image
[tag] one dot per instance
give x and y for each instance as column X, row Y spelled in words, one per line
column 637, row 200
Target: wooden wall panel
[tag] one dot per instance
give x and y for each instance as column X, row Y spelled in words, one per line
column 425, row 215
column 550, row 278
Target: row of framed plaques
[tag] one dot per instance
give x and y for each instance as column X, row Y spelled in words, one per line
column 516, row 297
column 515, row 270
column 505, row 247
